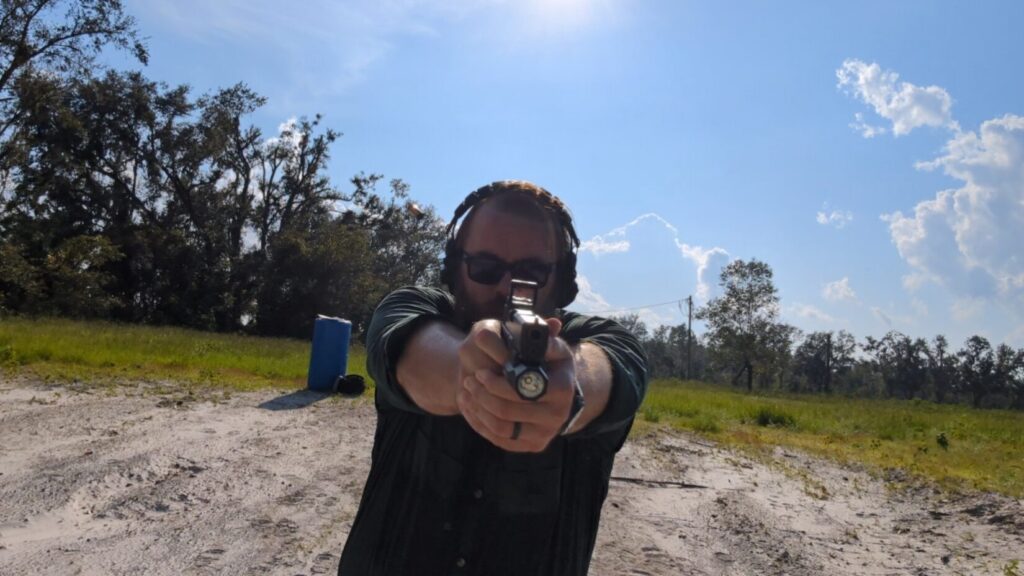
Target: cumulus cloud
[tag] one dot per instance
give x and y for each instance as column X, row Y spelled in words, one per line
column 905, row 105
column 866, row 130
column 836, row 218
column 809, row 312
column 598, row 246
column 967, row 309
column 615, row 241
column 839, row 290
column 969, row 239
column 587, row 300
column 709, row 262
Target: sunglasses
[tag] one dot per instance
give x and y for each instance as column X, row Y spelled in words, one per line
column 488, row 269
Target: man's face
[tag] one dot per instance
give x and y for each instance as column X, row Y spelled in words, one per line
column 510, row 238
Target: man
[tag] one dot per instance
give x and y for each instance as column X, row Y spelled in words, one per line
column 467, row 477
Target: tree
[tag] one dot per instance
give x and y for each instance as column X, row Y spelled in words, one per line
column 20, row 282
column 822, row 356
column 324, row 270
column 902, row 361
column 406, row 239
column 941, row 368
column 60, row 37
column 1007, row 371
column 634, row 324
column 976, row 368
column 743, row 330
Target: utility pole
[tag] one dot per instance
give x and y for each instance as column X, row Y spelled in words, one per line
column 689, row 333
column 828, row 363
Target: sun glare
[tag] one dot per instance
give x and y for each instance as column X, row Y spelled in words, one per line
column 559, row 16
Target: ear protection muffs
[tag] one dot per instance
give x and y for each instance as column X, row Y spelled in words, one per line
column 566, row 269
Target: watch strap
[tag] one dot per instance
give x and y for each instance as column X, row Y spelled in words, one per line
column 575, row 409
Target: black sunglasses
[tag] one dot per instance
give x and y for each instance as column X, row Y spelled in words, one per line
column 488, row 269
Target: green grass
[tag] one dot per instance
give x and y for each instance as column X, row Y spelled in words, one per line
column 107, row 352
column 954, row 446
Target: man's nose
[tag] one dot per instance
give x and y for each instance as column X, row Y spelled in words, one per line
column 505, row 285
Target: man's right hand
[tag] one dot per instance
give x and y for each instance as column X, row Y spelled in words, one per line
column 491, row 405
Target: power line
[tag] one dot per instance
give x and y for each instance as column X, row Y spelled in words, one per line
column 677, row 302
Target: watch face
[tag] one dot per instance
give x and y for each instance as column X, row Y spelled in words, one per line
column 530, row 384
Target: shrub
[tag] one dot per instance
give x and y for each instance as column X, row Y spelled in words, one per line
column 773, row 416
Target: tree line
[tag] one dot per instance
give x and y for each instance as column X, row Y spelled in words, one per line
column 125, row 198
column 747, row 345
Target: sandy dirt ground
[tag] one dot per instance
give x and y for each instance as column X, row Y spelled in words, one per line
column 131, row 481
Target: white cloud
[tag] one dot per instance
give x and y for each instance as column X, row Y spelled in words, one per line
column 967, row 309
column 809, row 312
column 598, row 245
column 615, row 241
column 920, row 308
column 905, row 105
column 327, row 46
column 587, row 300
column 866, row 130
column 709, row 262
column 839, row 290
column 969, row 239
column 837, row 218
column 913, row 281
column 652, row 319
column 966, row 239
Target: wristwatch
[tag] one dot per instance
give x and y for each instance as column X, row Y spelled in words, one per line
column 575, row 410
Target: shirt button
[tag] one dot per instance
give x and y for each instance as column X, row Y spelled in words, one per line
column 460, row 563
column 478, row 493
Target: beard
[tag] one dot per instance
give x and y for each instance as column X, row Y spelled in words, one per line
column 468, row 312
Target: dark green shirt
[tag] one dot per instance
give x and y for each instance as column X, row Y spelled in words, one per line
column 440, row 499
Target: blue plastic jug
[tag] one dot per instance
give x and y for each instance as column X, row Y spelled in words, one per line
column 329, row 357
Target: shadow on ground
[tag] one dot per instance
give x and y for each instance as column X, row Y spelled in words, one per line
column 295, row 400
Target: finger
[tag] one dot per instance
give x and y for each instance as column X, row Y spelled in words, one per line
column 558, row 349
column 491, row 344
column 473, row 419
column 497, row 384
column 526, row 442
column 510, row 409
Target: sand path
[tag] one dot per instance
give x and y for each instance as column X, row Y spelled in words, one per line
column 127, row 481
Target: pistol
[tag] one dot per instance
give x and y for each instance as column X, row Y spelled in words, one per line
column 528, row 344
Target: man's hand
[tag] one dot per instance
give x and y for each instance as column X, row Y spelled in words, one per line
column 491, row 406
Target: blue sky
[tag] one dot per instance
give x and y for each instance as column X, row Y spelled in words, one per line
column 872, row 153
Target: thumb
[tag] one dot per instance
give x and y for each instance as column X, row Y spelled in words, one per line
column 554, row 326
column 557, row 348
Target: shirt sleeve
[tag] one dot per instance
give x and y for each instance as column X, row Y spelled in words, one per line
column 629, row 374
column 394, row 321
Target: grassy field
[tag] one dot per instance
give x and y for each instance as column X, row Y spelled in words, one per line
column 955, row 446
column 105, row 352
